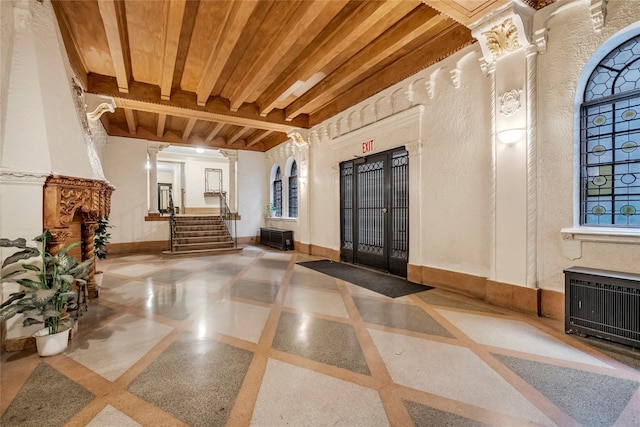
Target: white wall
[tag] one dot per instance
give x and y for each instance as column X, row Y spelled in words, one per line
column 572, row 41
column 124, row 161
column 251, row 172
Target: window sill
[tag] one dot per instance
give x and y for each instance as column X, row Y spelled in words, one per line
column 602, row 234
column 282, row 218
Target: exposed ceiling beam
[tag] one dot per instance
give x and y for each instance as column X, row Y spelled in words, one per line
column 187, row 130
column 403, row 33
column 172, row 137
column 307, row 21
column 114, row 20
column 365, row 19
column 162, row 118
column 131, row 120
column 214, row 132
column 146, row 97
column 455, row 37
column 237, row 134
column 236, row 19
column 173, row 25
column 257, row 137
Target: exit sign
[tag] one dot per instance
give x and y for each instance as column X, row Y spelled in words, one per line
column 367, row 146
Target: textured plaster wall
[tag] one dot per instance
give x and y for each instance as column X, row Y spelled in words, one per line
column 124, row 162
column 43, row 131
column 452, row 171
column 572, row 41
column 6, row 52
column 456, row 164
column 251, row 171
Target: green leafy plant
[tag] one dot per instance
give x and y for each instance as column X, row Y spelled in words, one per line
column 46, row 282
column 101, row 237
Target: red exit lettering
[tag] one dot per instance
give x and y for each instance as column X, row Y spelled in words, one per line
column 367, row 146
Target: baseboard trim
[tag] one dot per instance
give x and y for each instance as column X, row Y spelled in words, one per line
column 323, row 252
column 540, row 302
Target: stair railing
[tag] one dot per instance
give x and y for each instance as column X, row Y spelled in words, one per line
column 228, row 218
column 172, row 223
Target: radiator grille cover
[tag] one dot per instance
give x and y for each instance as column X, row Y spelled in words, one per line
column 603, row 303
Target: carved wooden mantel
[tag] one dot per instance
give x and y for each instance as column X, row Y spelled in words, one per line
column 64, row 198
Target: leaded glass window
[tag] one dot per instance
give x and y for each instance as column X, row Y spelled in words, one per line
column 277, row 193
column 610, row 135
column 293, row 191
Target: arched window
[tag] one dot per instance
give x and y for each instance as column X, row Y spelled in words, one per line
column 277, row 192
column 293, row 190
column 610, row 139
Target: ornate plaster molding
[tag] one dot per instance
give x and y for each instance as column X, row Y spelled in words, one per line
column 540, row 39
column 510, row 102
column 22, row 177
column 502, row 38
column 153, row 148
column 21, row 15
column 598, row 9
column 455, row 77
column 97, row 105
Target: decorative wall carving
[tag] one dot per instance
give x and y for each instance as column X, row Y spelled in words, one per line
column 502, row 38
column 598, row 9
column 64, row 198
column 18, row 177
column 455, row 77
column 21, row 15
column 510, row 102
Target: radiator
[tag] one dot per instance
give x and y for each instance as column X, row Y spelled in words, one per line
column 602, row 303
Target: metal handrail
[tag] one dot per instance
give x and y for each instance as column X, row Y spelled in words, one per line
column 229, row 219
column 172, row 222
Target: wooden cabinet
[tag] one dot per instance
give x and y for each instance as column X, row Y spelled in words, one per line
column 277, row 238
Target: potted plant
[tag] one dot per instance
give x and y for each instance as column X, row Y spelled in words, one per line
column 100, row 241
column 271, row 210
column 47, row 293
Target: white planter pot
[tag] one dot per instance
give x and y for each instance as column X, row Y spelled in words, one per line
column 48, row 345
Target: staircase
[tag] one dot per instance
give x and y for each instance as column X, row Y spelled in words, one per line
column 201, row 235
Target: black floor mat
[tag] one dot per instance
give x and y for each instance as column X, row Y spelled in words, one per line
column 381, row 283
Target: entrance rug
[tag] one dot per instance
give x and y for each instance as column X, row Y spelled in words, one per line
column 381, row 283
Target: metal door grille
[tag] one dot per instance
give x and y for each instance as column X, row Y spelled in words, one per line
column 371, row 206
column 400, row 205
column 604, row 304
column 346, row 190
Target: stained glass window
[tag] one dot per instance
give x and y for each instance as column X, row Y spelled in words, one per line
column 293, row 191
column 610, row 135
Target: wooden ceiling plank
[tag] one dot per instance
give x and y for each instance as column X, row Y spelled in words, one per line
column 77, row 61
column 146, row 97
column 162, row 119
column 112, row 17
column 364, row 20
column 317, row 13
column 131, row 120
column 173, row 28
column 214, row 132
column 404, row 32
column 235, row 22
column 460, row 11
column 188, row 128
column 257, row 137
column 454, row 38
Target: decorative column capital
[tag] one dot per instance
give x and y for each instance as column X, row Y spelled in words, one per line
column 506, row 30
column 97, row 105
column 154, row 148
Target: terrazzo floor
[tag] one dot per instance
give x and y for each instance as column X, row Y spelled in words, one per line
column 254, row 339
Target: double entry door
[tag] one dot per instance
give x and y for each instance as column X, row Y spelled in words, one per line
column 374, row 211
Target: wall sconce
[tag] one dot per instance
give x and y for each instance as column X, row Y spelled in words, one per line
column 511, row 136
column 148, row 165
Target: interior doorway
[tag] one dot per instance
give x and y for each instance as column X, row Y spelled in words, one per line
column 374, row 211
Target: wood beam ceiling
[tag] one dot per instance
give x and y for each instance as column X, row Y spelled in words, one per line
column 174, row 14
column 146, row 97
column 115, row 25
